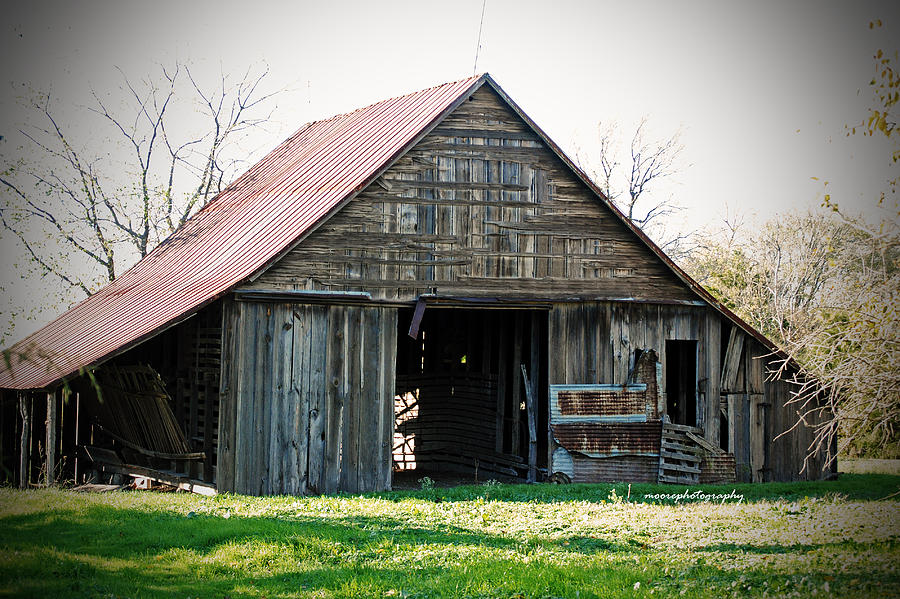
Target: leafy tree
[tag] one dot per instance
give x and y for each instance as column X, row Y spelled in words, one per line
column 825, row 289
column 853, row 358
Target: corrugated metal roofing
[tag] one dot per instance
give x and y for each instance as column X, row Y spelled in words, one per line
column 252, row 222
column 611, row 401
column 609, row 439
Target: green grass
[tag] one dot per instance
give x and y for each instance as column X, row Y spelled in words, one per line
column 838, row 538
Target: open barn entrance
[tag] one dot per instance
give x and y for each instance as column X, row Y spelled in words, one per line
column 462, row 411
column 681, row 381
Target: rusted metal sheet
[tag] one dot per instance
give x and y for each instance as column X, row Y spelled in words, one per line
column 609, row 439
column 618, row 401
column 600, row 403
column 249, row 225
column 606, row 432
column 634, row 469
column 717, row 468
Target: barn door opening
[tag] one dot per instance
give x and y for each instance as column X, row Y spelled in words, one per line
column 461, row 407
column 681, row 381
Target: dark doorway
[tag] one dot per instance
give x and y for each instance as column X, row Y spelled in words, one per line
column 460, row 402
column 681, row 381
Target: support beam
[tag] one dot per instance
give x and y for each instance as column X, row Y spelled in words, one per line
column 535, row 344
column 486, row 345
column 25, row 441
column 516, row 413
column 501, row 385
column 532, row 426
column 50, row 440
column 77, row 423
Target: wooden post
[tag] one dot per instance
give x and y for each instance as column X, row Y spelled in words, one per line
column 516, row 413
column 208, row 393
column 77, row 422
column 25, row 441
column 50, row 444
column 501, row 384
column 486, row 348
column 535, row 395
column 532, row 426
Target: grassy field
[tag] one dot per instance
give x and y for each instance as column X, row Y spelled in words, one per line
column 869, row 466
column 839, row 538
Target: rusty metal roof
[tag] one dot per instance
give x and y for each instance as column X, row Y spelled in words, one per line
column 254, row 222
column 246, row 227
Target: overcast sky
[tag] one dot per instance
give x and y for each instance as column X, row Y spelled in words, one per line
column 762, row 91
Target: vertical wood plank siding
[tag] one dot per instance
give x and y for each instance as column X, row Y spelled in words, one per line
column 594, row 343
column 782, row 453
column 478, row 207
column 306, row 398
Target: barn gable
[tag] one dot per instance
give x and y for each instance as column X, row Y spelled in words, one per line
column 480, row 206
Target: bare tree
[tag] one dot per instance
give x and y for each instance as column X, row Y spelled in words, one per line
column 630, row 186
column 66, row 205
column 825, row 287
column 849, row 351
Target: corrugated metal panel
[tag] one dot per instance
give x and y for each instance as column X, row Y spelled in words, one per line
column 608, row 439
column 617, row 401
column 600, row 403
column 633, row 469
column 254, row 221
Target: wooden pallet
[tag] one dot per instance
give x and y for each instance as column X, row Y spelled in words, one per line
column 687, row 458
column 680, row 455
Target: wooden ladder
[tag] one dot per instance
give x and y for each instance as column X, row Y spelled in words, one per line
column 679, row 454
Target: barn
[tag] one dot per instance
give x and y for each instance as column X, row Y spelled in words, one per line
column 425, row 285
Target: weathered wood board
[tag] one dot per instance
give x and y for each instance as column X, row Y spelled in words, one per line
column 479, row 207
column 307, row 398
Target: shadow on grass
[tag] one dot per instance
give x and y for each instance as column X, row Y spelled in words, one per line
column 104, row 550
column 112, row 532
column 67, row 576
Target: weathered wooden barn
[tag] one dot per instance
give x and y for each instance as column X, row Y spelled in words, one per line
column 424, row 285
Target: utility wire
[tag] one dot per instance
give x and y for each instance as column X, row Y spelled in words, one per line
column 478, row 46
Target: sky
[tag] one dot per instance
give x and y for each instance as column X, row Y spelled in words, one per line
column 762, row 92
